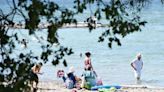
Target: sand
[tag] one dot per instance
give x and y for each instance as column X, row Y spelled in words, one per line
column 53, row 86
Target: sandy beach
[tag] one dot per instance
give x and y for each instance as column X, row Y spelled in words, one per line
column 53, row 86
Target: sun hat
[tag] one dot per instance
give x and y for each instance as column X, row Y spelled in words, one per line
column 138, row 55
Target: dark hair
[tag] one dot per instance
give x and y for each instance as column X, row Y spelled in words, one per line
column 87, row 54
column 40, row 63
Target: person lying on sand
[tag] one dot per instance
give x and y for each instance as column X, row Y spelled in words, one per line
column 70, row 79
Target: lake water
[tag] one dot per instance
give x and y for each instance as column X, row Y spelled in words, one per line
column 113, row 65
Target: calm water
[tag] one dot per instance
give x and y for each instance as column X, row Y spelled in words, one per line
column 113, row 65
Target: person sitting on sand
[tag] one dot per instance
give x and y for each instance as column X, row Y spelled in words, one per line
column 70, row 79
column 88, row 78
column 137, row 65
column 61, row 74
column 71, row 75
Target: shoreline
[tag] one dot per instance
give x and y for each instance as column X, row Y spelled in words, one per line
column 57, row 86
column 67, row 25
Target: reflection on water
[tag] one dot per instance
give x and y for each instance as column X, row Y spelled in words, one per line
column 138, row 82
column 150, row 81
column 147, row 82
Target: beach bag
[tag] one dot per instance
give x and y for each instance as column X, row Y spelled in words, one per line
column 69, row 84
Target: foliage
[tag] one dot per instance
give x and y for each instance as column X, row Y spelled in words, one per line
column 15, row 67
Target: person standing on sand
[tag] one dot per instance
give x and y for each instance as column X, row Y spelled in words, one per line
column 137, row 65
column 34, row 77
